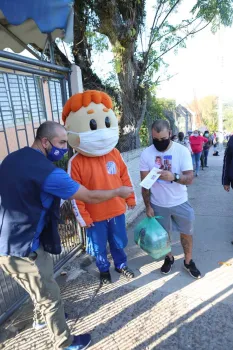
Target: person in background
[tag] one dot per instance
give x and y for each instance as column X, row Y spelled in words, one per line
column 184, row 141
column 215, row 143
column 196, row 142
column 174, row 138
column 206, row 148
column 227, row 171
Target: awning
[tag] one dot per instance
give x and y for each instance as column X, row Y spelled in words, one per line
column 31, row 20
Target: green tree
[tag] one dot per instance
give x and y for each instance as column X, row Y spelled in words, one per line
column 157, row 108
column 209, row 112
column 120, row 24
column 228, row 118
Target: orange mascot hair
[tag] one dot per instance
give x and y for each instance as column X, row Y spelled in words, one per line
column 83, row 99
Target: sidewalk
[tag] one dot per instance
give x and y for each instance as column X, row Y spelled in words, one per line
column 153, row 311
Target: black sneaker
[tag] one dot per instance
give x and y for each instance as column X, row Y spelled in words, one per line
column 105, row 278
column 126, row 272
column 167, row 265
column 192, row 270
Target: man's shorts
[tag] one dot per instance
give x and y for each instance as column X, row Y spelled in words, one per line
column 176, row 219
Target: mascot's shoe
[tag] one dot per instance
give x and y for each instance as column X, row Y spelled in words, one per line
column 105, row 278
column 126, row 272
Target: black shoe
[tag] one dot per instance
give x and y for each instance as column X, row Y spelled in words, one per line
column 167, row 265
column 126, row 272
column 192, row 270
column 206, row 166
column 105, row 278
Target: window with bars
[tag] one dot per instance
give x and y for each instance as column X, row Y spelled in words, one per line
column 21, row 100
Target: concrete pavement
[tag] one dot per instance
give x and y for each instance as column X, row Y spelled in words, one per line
column 153, row 311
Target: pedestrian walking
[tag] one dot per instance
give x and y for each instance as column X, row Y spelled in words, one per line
column 168, row 196
column 196, row 142
column 30, row 191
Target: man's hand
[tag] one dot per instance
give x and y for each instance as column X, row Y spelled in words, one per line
column 227, row 188
column 166, row 175
column 150, row 212
column 131, row 207
column 124, row 191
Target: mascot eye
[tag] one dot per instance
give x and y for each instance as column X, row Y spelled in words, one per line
column 93, row 124
column 107, row 122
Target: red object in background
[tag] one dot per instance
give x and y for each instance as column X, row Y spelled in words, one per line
column 197, row 142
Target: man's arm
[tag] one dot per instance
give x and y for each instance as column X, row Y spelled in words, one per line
column 60, row 184
column 98, row 196
column 146, row 196
column 186, row 178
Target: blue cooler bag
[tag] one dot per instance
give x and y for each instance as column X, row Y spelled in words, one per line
column 152, row 238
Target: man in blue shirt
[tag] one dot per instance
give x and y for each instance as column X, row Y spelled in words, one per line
column 30, row 191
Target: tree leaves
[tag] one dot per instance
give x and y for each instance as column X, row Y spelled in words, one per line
column 139, row 53
column 221, row 11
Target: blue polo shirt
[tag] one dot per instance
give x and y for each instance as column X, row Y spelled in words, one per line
column 58, row 184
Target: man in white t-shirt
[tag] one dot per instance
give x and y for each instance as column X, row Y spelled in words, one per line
column 168, row 196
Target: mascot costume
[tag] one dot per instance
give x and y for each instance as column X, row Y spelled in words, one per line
column 92, row 129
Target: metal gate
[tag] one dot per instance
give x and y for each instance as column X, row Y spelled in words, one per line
column 32, row 92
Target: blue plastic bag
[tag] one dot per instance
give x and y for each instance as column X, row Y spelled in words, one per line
column 152, row 238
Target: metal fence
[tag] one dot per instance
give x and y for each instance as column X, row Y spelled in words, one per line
column 27, row 100
column 30, row 93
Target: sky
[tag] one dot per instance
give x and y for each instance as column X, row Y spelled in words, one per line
column 197, row 69
column 202, row 68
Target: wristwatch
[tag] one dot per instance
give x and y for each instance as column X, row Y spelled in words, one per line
column 176, row 177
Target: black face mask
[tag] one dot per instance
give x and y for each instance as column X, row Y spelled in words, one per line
column 161, row 146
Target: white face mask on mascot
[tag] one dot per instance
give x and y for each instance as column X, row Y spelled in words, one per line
column 92, row 127
column 98, row 142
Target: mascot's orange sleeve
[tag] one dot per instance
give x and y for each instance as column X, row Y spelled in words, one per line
column 100, row 173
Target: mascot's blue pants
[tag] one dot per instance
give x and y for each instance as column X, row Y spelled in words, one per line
column 112, row 231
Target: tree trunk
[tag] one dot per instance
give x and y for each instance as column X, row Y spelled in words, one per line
column 133, row 101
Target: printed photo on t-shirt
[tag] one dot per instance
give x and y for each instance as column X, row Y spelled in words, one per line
column 159, row 162
column 163, row 163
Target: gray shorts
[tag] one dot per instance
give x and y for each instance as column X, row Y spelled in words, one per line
column 176, row 219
